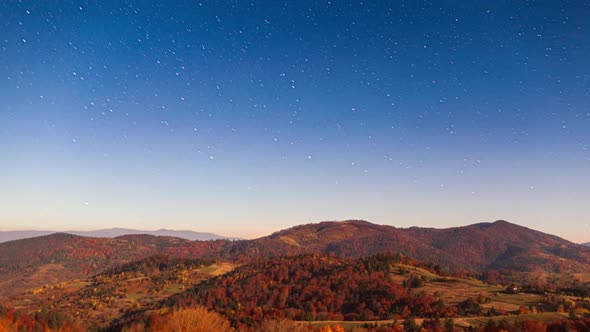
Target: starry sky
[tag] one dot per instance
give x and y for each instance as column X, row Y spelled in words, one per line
column 243, row 118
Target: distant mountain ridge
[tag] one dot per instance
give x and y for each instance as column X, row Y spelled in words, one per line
column 115, row 232
column 183, row 234
column 587, row 244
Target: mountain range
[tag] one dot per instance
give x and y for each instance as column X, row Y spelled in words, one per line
column 122, row 280
column 476, row 248
column 114, row 232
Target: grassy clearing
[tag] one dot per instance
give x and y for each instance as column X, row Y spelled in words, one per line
column 541, row 277
column 217, row 269
column 519, row 299
column 406, row 270
column 207, row 269
column 582, row 277
column 173, row 289
column 289, row 241
column 478, row 321
column 459, row 322
column 454, row 290
column 136, row 296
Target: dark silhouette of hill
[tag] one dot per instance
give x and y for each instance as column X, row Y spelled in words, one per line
column 183, row 234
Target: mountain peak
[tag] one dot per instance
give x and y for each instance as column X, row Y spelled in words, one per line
column 497, row 223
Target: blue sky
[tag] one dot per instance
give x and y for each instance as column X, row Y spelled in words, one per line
column 242, row 118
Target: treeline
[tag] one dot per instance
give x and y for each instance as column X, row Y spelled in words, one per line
column 157, row 262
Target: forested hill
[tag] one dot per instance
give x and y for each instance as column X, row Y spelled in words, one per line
column 473, row 248
column 470, row 249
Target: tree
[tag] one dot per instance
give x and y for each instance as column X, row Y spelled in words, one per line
column 490, row 326
column 449, row 324
column 469, row 307
column 410, row 324
column 197, row 319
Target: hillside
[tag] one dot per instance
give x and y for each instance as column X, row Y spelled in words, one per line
column 310, row 287
column 54, row 258
column 99, row 299
column 348, row 239
column 473, row 249
column 384, row 288
column 503, row 245
column 381, row 288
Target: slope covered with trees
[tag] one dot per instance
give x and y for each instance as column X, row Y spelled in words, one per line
column 471, row 249
column 312, row 287
column 31, row 263
column 479, row 249
column 502, row 245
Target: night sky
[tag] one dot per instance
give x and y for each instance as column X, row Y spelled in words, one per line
column 242, row 118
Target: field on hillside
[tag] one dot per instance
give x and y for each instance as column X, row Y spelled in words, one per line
column 462, row 322
column 99, row 300
column 454, row 290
